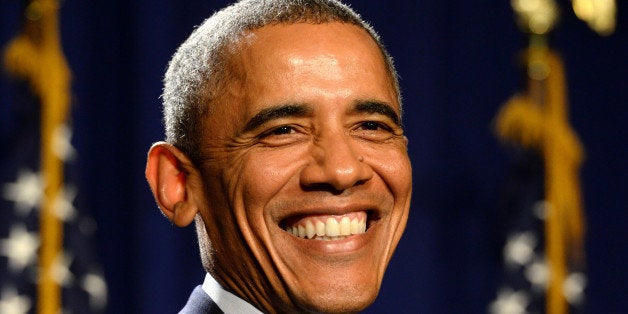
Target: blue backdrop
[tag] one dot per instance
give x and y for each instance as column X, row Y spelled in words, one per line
column 457, row 65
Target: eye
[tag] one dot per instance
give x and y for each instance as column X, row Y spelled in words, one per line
column 376, row 130
column 374, row 126
column 284, row 129
column 282, row 135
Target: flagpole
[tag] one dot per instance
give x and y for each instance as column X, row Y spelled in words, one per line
column 537, row 120
column 36, row 56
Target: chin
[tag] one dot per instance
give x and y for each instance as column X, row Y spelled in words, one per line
column 336, row 304
column 344, row 298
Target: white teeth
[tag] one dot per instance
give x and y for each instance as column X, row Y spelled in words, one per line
column 332, row 229
column 355, row 226
column 301, row 231
column 320, row 228
column 310, row 231
column 329, row 230
column 345, row 226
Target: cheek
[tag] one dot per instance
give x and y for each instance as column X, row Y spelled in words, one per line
column 266, row 173
column 393, row 166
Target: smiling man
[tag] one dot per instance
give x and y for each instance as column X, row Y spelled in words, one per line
column 284, row 144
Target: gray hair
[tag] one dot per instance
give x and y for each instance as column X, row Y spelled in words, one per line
column 200, row 66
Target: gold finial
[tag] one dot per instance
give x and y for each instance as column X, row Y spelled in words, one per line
column 536, row 16
column 599, row 14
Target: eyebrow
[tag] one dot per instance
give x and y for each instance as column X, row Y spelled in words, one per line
column 378, row 107
column 277, row 112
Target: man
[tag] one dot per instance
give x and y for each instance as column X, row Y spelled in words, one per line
column 284, row 144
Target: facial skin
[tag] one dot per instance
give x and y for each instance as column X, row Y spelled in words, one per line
column 308, row 130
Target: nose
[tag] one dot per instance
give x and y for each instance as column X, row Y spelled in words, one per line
column 336, row 164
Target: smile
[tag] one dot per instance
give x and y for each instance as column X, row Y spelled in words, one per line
column 328, row 227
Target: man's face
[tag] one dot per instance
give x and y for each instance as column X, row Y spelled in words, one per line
column 305, row 171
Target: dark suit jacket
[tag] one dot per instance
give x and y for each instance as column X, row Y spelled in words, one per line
column 199, row 302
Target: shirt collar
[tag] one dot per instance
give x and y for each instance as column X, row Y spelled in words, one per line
column 226, row 301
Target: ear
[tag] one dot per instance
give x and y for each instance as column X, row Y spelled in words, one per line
column 168, row 171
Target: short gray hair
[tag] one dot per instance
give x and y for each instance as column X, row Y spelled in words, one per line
column 200, row 66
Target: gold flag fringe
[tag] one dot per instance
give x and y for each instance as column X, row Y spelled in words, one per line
column 538, row 120
column 36, row 56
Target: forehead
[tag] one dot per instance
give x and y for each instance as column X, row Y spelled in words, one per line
column 334, row 37
column 330, row 56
